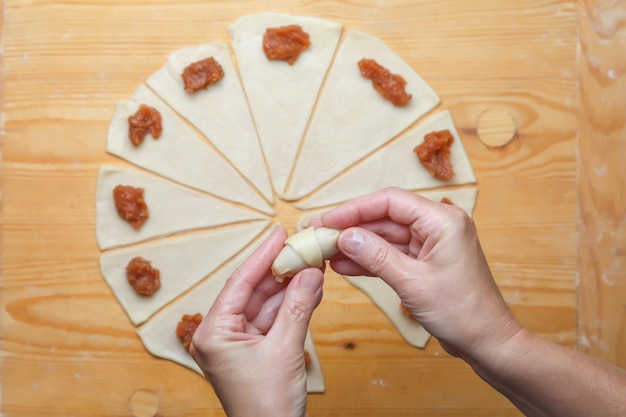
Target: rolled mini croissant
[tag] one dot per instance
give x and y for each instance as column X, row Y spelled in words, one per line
column 310, row 247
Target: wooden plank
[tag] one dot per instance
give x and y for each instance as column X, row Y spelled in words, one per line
column 602, row 189
column 67, row 63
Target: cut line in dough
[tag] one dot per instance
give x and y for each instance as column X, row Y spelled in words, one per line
column 158, row 334
column 351, row 119
column 282, row 96
column 182, row 261
column 396, row 165
column 172, row 208
column 220, row 112
column 179, row 154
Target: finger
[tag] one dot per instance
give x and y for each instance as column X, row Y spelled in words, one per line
column 400, row 206
column 302, row 296
column 343, row 265
column 346, row 266
column 315, row 222
column 266, row 289
column 377, row 256
column 239, row 288
column 266, row 315
column 389, row 230
column 401, row 247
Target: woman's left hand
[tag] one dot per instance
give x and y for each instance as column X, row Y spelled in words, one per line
column 250, row 345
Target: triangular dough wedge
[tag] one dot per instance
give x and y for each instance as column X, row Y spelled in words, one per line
column 172, row 208
column 388, row 301
column 220, row 112
column 464, row 198
column 159, row 333
column 379, row 292
column 396, row 165
column 351, row 118
column 179, row 154
column 182, row 261
column 282, row 96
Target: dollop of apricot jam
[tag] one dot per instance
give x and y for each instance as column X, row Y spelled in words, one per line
column 202, row 74
column 144, row 279
column 390, row 86
column 307, row 359
column 434, row 154
column 285, row 43
column 446, row 200
column 187, row 327
column 146, row 120
column 130, row 205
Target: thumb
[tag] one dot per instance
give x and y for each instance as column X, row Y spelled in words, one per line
column 377, row 256
column 302, row 296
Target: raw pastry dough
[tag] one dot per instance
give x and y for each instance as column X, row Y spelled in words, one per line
column 182, row 262
column 159, row 333
column 349, row 149
column 219, row 112
column 307, row 248
column 396, row 165
column 172, row 208
column 388, row 301
column 351, row 118
column 282, row 96
column 180, row 154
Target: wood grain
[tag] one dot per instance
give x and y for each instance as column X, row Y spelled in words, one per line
column 68, row 348
column 602, row 188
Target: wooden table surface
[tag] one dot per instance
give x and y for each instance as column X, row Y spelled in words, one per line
column 550, row 210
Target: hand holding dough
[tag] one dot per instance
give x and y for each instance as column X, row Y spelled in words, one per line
column 311, row 247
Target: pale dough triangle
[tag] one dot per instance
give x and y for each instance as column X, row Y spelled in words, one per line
column 282, row 96
column 182, row 262
column 179, row 154
column 220, row 112
column 159, row 333
column 351, row 118
column 396, row 165
column 386, row 299
column 379, row 292
column 172, row 208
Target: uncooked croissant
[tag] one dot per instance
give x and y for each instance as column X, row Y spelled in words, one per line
column 311, row 247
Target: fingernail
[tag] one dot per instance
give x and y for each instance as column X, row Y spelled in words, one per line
column 311, row 280
column 351, row 241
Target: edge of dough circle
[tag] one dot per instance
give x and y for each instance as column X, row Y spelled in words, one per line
column 315, row 133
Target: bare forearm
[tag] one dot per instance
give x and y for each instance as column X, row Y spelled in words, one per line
column 545, row 379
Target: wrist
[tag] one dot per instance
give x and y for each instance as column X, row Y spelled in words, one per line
column 497, row 360
column 498, row 343
column 263, row 400
column 263, row 411
column 260, row 399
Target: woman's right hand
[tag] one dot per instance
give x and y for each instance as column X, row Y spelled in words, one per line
column 430, row 255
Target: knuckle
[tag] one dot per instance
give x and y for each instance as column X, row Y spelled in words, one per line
column 467, row 222
column 460, row 218
column 378, row 259
column 201, row 343
column 392, row 191
column 298, row 310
